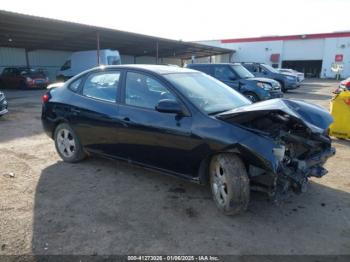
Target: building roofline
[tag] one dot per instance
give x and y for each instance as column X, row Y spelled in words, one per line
column 287, row 37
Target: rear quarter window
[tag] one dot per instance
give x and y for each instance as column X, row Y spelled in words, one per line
column 74, row 86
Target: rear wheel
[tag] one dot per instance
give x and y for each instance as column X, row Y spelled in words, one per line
column 252, row 97
column 229, row 183
column 67, row 144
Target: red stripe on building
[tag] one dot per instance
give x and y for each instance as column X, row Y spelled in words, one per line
column 288, row 37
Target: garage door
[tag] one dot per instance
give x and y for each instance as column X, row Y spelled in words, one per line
column 311, row 68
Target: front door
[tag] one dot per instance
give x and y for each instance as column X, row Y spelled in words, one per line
column 150, row 137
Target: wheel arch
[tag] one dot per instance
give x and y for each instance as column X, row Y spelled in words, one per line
column 56, row 124
column 247, row 156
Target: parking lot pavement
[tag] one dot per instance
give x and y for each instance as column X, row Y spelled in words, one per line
column 108, row 207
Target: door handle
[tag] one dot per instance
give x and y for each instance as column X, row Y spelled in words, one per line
column 126, row 119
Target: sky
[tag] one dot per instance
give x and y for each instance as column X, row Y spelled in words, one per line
column 193, row 20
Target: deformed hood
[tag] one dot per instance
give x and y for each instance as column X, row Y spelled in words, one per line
column 314, row 117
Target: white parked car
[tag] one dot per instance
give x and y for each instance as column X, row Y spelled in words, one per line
column 299, row 75
column 81, row 61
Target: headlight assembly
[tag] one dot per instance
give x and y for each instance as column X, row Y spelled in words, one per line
column 264, row 86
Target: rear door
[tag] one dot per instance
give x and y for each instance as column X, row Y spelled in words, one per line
column 94, row 115
column 225, row 74
column 162, row 140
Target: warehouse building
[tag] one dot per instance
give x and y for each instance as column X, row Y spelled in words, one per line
column 45, row 43
column 313, row 54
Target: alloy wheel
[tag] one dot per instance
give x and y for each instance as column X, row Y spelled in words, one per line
column 219, row 185
column 66, row 143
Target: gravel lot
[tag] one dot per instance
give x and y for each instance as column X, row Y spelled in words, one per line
column 108, row 207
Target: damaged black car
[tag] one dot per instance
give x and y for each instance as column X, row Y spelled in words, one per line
column 185, row 123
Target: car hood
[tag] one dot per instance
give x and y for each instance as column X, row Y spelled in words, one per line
column 316, row 118
column 288, row 74
column 261, row 79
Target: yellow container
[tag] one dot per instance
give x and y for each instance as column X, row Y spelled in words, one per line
column 340, row 110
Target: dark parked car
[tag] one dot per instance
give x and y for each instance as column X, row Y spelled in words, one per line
column 287, row 81
column 186, row 123
column 3, row 104
column 22, row 77
column 238, row 77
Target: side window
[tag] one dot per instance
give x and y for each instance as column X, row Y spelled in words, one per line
column 102, row 85
column 144, row 91
column 223, row 73
column 75, row 85
column 206, row 69
column 262, row 70
column 66, row 65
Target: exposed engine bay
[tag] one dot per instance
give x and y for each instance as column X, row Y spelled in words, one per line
column 303, row 147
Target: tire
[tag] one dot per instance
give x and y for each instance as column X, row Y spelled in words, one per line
column 283, row 89
column 67, row 144
column 229, row 183
column 252, row 97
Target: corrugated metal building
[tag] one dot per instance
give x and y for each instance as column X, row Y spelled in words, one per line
column 312, row 54
column 46, row 43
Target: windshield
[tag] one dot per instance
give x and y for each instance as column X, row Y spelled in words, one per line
column 208, row 94
column 270, row 68
column 241, row 71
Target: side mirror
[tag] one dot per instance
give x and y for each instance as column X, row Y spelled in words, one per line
column 169, row 106
column 233, row 78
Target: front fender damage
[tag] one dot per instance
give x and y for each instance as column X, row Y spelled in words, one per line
column 296, row 147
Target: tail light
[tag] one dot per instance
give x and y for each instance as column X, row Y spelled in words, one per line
column 45, row 98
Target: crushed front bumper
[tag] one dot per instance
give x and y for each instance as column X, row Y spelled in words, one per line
column 297, row 177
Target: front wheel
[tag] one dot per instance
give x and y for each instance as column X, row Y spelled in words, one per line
column 252, row 97
column 67, row 144
column 229, row 183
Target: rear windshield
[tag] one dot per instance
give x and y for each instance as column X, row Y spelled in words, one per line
column 31, row 71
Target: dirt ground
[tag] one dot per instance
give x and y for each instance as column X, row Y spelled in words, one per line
column 108, row 207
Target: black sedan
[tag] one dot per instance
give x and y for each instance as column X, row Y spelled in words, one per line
column 186, row 123
column 3, row 104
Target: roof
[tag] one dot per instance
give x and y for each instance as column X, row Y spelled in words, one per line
column 288, row 37
column 159, row 69
column 211, row 64
column 33, row 33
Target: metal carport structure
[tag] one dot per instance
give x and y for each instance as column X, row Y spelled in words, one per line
column 35, row 33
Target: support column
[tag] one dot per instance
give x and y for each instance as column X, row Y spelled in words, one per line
column 157, row 52
column 98, row 47
column 27, row 58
